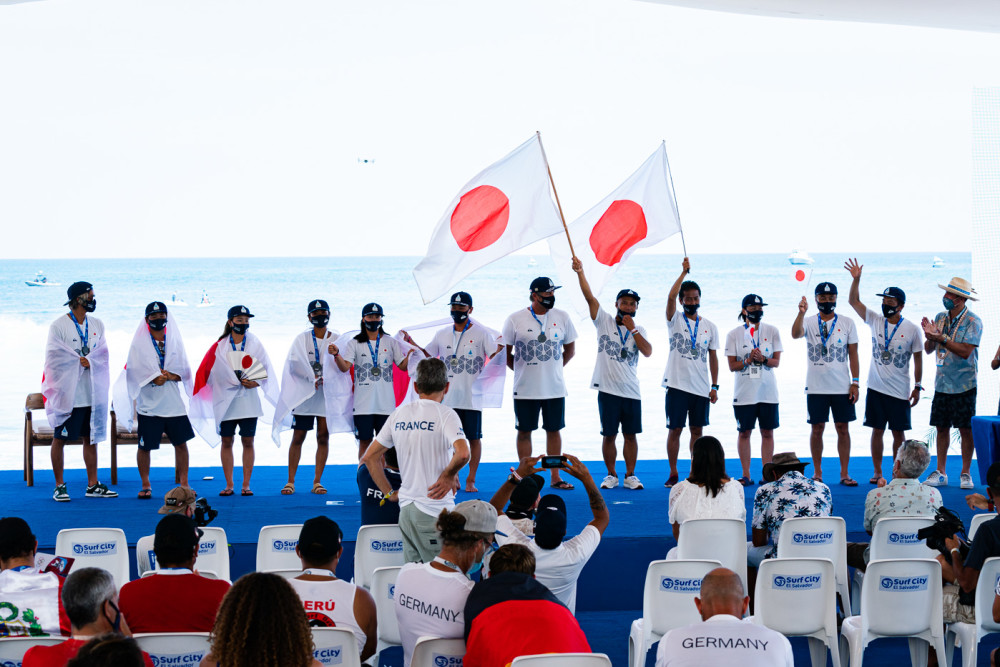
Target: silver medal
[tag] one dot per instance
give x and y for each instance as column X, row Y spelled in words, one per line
column 694, row 352
column 886, row 356
column 823, row 351
column 624, row 353
column 85, row 350
column 376, row 371
column 317, row 368
column 453, row 361
column 541, row 338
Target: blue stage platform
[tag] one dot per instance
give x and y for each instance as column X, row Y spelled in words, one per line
column 610, row 589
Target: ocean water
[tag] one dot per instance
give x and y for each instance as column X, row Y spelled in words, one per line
column 278, row 289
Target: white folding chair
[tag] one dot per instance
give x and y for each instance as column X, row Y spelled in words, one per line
column 384, row 591
column 968, row 634
column 285, row 573
column 563, row 660
column 977, row 521
column 437, row 652
column 724, row 540
column 819, row 537
column 276, row 547
column 798, row 598
column 378, row 545
column 667, row 603
column 105, row 548
column 892, row 587
column 893, row 537
column 336, row 646
column 177, row 649
column 213, row 553
column 12, row 649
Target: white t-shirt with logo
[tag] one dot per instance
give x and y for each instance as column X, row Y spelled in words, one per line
column 892, row 377
column 724, row 640
column 373, row 394
column 315, row 405
column 429, row 603
column 685, row 371
column 829, row 373
column 613, row 373
column 463, row 370
column 67, row 333
column 330, row 604
column 424, row 433
column 538, row 365
column 755, row 384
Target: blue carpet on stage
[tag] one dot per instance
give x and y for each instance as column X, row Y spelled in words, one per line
column 610, row 590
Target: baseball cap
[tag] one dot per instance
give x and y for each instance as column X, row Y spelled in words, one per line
column 480, row 517
column 175, row 531
column 628, row 292
column 993, row 476
column 826, row 288
column 318, row 304
column 236, row 311
column 177, row 500
column 372, row 309
column 752, row 300
column 156, row 307
column 76, row 289
column 461, row 299
column 525, row 493
column 320, row 538
column 543, row 284
column 893, row 293
column 550, row 521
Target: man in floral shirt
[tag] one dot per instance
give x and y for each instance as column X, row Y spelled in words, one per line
column 903, row 496
column 787, row 494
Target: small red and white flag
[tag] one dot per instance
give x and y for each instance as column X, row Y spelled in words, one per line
column 505, row 207
column 640, row 213
column 802, row 276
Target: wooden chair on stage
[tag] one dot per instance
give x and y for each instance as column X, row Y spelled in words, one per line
column 122, row 436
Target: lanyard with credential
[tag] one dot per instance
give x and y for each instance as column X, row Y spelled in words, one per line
column 161, row 352
column 755, row 344
column 541, row 336
column 84, row 334
column 694, row 334
column 243, row 343
column 829, row 332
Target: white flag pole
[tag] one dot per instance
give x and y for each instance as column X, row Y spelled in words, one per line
column 556, row 193
column 670, row 178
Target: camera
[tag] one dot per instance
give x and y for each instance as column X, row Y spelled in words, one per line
column 554, row 461
column 946, row 524
column 203, row 513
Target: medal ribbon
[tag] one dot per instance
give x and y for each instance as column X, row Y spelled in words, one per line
column 542, row 326
column 458, row 345
column 243, row 343
column 85, row 333
column 833, row 324
column 374, row 353
column 885, row 332
column 161, row 355
column 315, row 347
column 693, row 334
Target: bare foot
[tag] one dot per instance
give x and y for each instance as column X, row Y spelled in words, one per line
column 470, row 486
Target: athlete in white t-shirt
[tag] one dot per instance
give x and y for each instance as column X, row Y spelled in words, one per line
column 754, row 351
column 619, row 342
column 693, row 356
column 831, row 375
column 540, row 340
column 465, row 349
column 895, row 341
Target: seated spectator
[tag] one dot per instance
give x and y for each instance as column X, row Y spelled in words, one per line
column 174, row 598
column 557, row 563
column 373, row 510
column 788, row 493
column 708, row 492
column 523, row 503
column 33, row 593
column 722, row 637
column 178, row 501
column 330, row 602
column 109, row 651
column 90, row 597
column 511, row 614
column 903, row 496
column 430, row 597
column 261, row 622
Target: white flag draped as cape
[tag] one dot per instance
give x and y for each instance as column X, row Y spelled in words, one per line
column 143, row 366
column 298, row 381
column 62, row 374
column 216, row 386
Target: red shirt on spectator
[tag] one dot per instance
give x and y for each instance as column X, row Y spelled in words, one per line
column 59, row 654
column 173, row 600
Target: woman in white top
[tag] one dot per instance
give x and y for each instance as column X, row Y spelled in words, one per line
column 707, row 493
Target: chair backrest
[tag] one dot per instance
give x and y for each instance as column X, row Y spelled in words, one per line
column 177, row 649
column 563, row 660
column 815, row 537
column 336, row 646
column 285, row 573
column 378, row 545
column 978, row 520
column 34, row 402
column 985, row 592
column 797, row 596
column 12, row 649
column 669, row 593
column 724, row 540
column 276, row 547
column 902, row 598
column 895, row 537
column 213, row 552
column 436, row 652
column 96, row 547
column 384, row 591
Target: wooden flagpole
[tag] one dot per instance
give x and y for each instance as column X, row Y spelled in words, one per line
column 556, row 193
column 670, row 177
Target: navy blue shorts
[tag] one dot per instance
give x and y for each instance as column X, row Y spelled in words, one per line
column 951, row 410
column 76, row 426
column 526, row 413
column 472, row 423
column 304, row 422
column 151, row 430
column 821, row 405
column 366, row 427
column 882, row 409
column 248, row 427
column 618, row 410
column 764, row 414
column 680, row 404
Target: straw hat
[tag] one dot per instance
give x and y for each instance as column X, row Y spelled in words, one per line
column 960, row 287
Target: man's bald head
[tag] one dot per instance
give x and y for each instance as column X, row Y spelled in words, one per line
column 721, row 593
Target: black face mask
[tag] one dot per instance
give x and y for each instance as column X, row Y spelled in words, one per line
column 459, row 316
column 372, row 326
column 91, row 306
column 547, row 301
column 241, row 328
column 889, row 311
column 755, row 316
column 826, row 307
column 116, row 625
column 320, row 320
column 158, row 325
column 691, row 308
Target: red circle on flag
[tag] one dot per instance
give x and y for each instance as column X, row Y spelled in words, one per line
column 246, row 361
column 621, row 227
column 480, row 218
column 800, row 275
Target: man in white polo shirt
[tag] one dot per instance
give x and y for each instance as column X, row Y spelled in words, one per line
column 722, row 637
column 540, row 341
column 431, row 448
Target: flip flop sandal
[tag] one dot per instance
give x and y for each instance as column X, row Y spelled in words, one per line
column 246, row 492
column 562, row 485
column 745, row 481
column 875, row 479
column 319, row 489
column 817, row 478
column 673, row 479
column 289, row 489
column 226, row 492
column 847, row 481
column 145, row 494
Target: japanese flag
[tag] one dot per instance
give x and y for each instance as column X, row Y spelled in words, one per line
column 640, row 213
column 505, row 207
column 802, row 276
